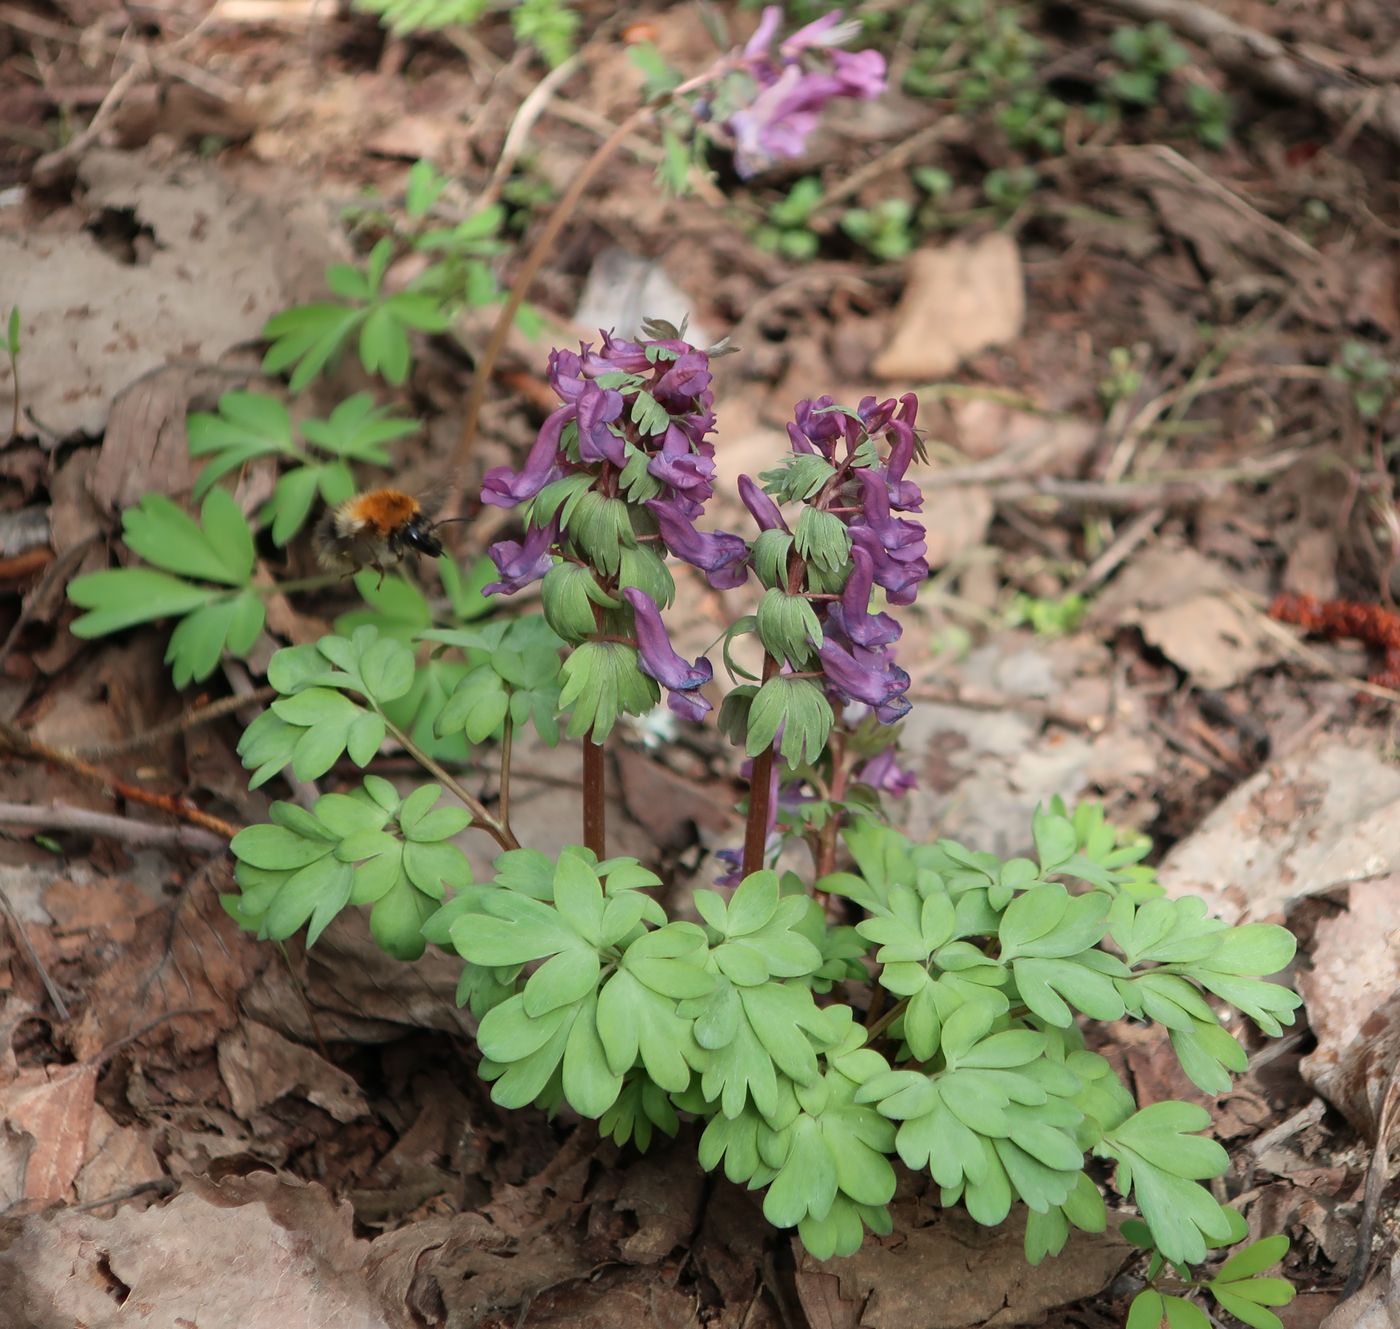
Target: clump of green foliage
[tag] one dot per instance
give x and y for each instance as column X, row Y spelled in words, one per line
column 549, row 26
column 889, row 1003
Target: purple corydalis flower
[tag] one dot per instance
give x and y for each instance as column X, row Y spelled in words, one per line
column 856, row 620
column 884, row 773
column 869, row 676
column 659, row 659
column 794, row 82
column 522, row 563
column 761, row 508
column 721, row 556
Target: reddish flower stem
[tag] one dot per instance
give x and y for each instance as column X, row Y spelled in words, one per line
column 760, row 794
column 594, row 798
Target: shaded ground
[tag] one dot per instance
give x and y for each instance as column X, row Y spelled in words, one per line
column 1194, row 407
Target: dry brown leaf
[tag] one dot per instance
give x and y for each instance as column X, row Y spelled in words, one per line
column 188, row 957
column 956, row 521
column 257, row 1252
column 1355, row 971
column 1376, row 1306
column 259, row 1066
column 665, row 1196
column 1322, row 817
column 954, row 1273
column 118, row 1158
column 222, row 263
column 54, row 1104
column 959, row 300
column 1184, row 605
column 146, row 447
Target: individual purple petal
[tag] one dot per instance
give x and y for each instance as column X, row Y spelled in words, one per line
column 721, row 556
column 828, row 30
column 860, row 73
column 687, row 379
column 868, row 676
column 733, row 860
column 884, row 773
column 858, row 623
column 597, row 409
column 759, row 45
column 681, row 468
column 692, row 706
column 761, row 508
column 776, row 124
column 659, row 659
column 899, row 571
column 522, row 563
column 504, row 488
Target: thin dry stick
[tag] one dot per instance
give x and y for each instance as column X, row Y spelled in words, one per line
column 144, row 834
column 25, row 746
column 1143, row 421
column 528, row 112
column 52, row 164
column 945, row 127
column 180, row 724
column 22, row 937
column 1377, row 1174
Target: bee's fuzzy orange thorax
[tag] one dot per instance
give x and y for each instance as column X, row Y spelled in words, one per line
column 384, row 510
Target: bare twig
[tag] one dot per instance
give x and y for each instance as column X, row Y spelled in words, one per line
column 22, row 937
column 1266, row 62
column 1138, row 530
column 180, row 724
column 145, row 834
column 528, row 112
column 24, row 745
column 1377, row 1174
column 943, row 128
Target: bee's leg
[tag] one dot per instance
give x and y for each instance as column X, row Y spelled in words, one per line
column 382, row 574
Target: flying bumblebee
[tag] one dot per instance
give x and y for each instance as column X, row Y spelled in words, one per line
column 375, row 529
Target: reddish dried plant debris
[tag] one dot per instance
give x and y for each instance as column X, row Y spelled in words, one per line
column 1371, row 624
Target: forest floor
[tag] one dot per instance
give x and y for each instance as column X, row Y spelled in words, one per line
column 1159, row 374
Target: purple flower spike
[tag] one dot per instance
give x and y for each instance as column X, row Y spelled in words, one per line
column 522, row 563
column 869, row 676
column 659, row 659
column 859, row 624
column 794, row 83
column 761, row 508
column 721, row 556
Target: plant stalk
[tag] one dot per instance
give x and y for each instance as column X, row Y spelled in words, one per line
column 760, row 794
column 480, row 816
column 507, row 742
column 594, row 798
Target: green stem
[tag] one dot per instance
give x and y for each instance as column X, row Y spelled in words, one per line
column 300, row 584
column 507, row 742
column 887, row 1019
column 499, row 833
